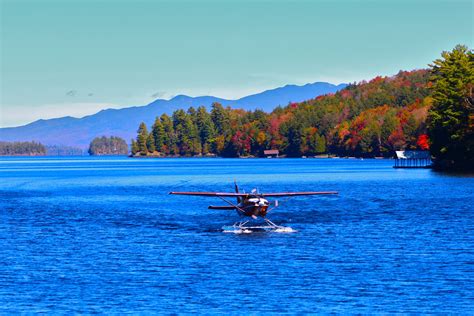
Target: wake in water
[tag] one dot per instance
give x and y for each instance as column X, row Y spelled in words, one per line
column 250, row 230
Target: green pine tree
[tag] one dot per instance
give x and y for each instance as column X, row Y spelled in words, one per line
column 150, row 143
column 206, row 128
column 158, row 134
column 220, row 118
column 135, row 148
column 142, row 139
column 169, row 136
column 451, row 118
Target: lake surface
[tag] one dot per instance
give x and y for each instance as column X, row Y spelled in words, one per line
column 92, row 235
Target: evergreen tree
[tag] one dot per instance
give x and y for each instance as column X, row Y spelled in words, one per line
column 451, row 118
column 206, row 128
column 142, row 139
column 194, row 134
column 169, row 136
column 293, row 131
column 220, row 118
column 150, row 143
column 181, row 131
column 158, row 134
column 135, row 148
column 192, row 114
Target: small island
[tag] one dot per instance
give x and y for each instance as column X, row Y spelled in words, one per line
column 105, row 146
column 22, row 149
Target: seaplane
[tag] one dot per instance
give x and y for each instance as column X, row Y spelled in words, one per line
column 253, row 205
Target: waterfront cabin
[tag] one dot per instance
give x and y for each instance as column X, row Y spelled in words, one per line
column 271, row 153
column 412, row 159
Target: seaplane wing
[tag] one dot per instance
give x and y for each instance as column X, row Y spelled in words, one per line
column 298, row 193
column 253, row 204
column 222, row 194
column 231, row 194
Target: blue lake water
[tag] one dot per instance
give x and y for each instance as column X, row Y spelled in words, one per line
column 92, row 235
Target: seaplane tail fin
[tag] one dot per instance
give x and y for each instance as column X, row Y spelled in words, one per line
column 239, row 199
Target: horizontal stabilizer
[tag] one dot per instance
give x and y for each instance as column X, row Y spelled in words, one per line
column 228, row 208
column 298, row 193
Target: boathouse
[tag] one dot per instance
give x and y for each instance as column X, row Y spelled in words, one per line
column 271, row 153
column 412, row 159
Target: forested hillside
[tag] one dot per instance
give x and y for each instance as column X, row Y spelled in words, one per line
column 366, row 119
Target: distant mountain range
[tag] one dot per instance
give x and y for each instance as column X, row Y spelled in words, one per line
column 79, row 132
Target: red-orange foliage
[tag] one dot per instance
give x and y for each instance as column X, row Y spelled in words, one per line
column 396, row 140
column 423, row 142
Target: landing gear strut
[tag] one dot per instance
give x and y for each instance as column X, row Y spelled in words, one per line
column 269, row 226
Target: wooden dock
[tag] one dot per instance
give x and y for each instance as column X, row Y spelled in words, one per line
column 412, row 159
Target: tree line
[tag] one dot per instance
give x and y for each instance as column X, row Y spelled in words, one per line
column 22, row 149
column 63, row 150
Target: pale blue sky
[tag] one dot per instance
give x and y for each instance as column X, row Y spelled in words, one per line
column 74, row 57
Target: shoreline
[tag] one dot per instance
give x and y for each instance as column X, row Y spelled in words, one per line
column 201, row 157
column 252, row 157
